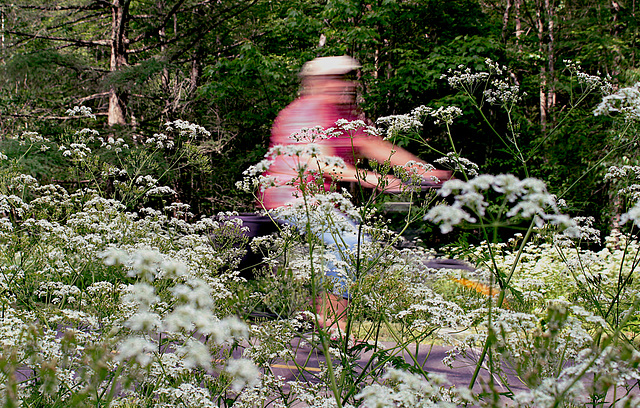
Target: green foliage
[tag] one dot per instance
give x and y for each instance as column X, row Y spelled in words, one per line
column 231, row 66
column 134, row 77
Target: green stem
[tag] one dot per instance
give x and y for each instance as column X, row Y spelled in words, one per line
column 500, row 300
column 314, row 296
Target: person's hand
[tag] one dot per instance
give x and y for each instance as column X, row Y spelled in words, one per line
column 391, row 185
column 441, row 175
column 429, row 175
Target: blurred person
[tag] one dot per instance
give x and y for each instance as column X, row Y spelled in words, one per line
column 328, row 93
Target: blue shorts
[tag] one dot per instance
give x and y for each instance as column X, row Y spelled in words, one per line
column 339, row 234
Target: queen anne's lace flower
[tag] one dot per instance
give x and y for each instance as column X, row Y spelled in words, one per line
column 625, row 101
column 81, row 111
column 243, row 372
column 632, row 215
column 529, row 199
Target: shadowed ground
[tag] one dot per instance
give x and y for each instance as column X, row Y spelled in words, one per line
column 309, row 360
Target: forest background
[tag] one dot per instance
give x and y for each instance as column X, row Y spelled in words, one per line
column 231, row 66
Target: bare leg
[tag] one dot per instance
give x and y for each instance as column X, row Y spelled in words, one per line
column 332, row 311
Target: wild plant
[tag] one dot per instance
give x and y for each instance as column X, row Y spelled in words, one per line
column 384, row 284
column 100, row 305
column 109, row 301
column 543, row 337
column 537, row 347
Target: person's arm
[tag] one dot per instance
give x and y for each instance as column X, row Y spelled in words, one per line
column 349, row 173
column 381, row 151
column 366, row 178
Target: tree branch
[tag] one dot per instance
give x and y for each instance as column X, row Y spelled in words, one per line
column 231, row 13
column 156, row 30
column 227, row 14
column 80, row 20
column 27, row 115
column 76, row 41
column 98, row 4
column 94, row 96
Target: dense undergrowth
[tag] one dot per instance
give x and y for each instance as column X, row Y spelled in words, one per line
column 113, row 294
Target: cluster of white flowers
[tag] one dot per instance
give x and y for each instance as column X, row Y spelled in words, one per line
column 498, row 91
column 412, row 122
column 632, row 215
column 188, row 129
column 622, row 172
column 188, row 395
column 495, row 67
column 244, row 373
column 147, row 181
column 33, row 137
column 85, row 135
column 529, row 198
column 111, row 143
column 315, row 134
column 547, row 394
column 446, row 114
column 455, row 162
column 352, row 125
column 58, row 292
column 13, row 203
column 22, row 181
column 75, row 151
column 405, row 390
column 403, row 124
column 625, row 102
column 161, row 141
column 463, row 78
column 590, row 82
column 112, row 171
column 503, row 93
column 305, row 159
column 582, row 230
column 627, row 178
column 430, row 311
column 82, row 111
column 323, row 216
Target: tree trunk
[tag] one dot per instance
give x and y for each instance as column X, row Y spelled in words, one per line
column 635, row 35
column 164, row 76
column 543, row 67
column 2, row 36
column 551, row 57
column 194, row 77
column 117, row 98
column 505, row 20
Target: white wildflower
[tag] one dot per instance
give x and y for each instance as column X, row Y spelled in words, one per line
column 625, row 101
column 195, row 354
column 632, row 215
column 448, row 217
column 244, row 373
column 188, row 129
column 114, row 256
column 137, row 348
column 84, row 111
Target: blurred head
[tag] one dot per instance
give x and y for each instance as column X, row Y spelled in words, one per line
column 332, row 77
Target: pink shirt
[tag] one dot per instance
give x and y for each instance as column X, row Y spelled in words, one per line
column 305, row 112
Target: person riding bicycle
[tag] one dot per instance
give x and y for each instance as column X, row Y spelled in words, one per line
column 328, row 94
